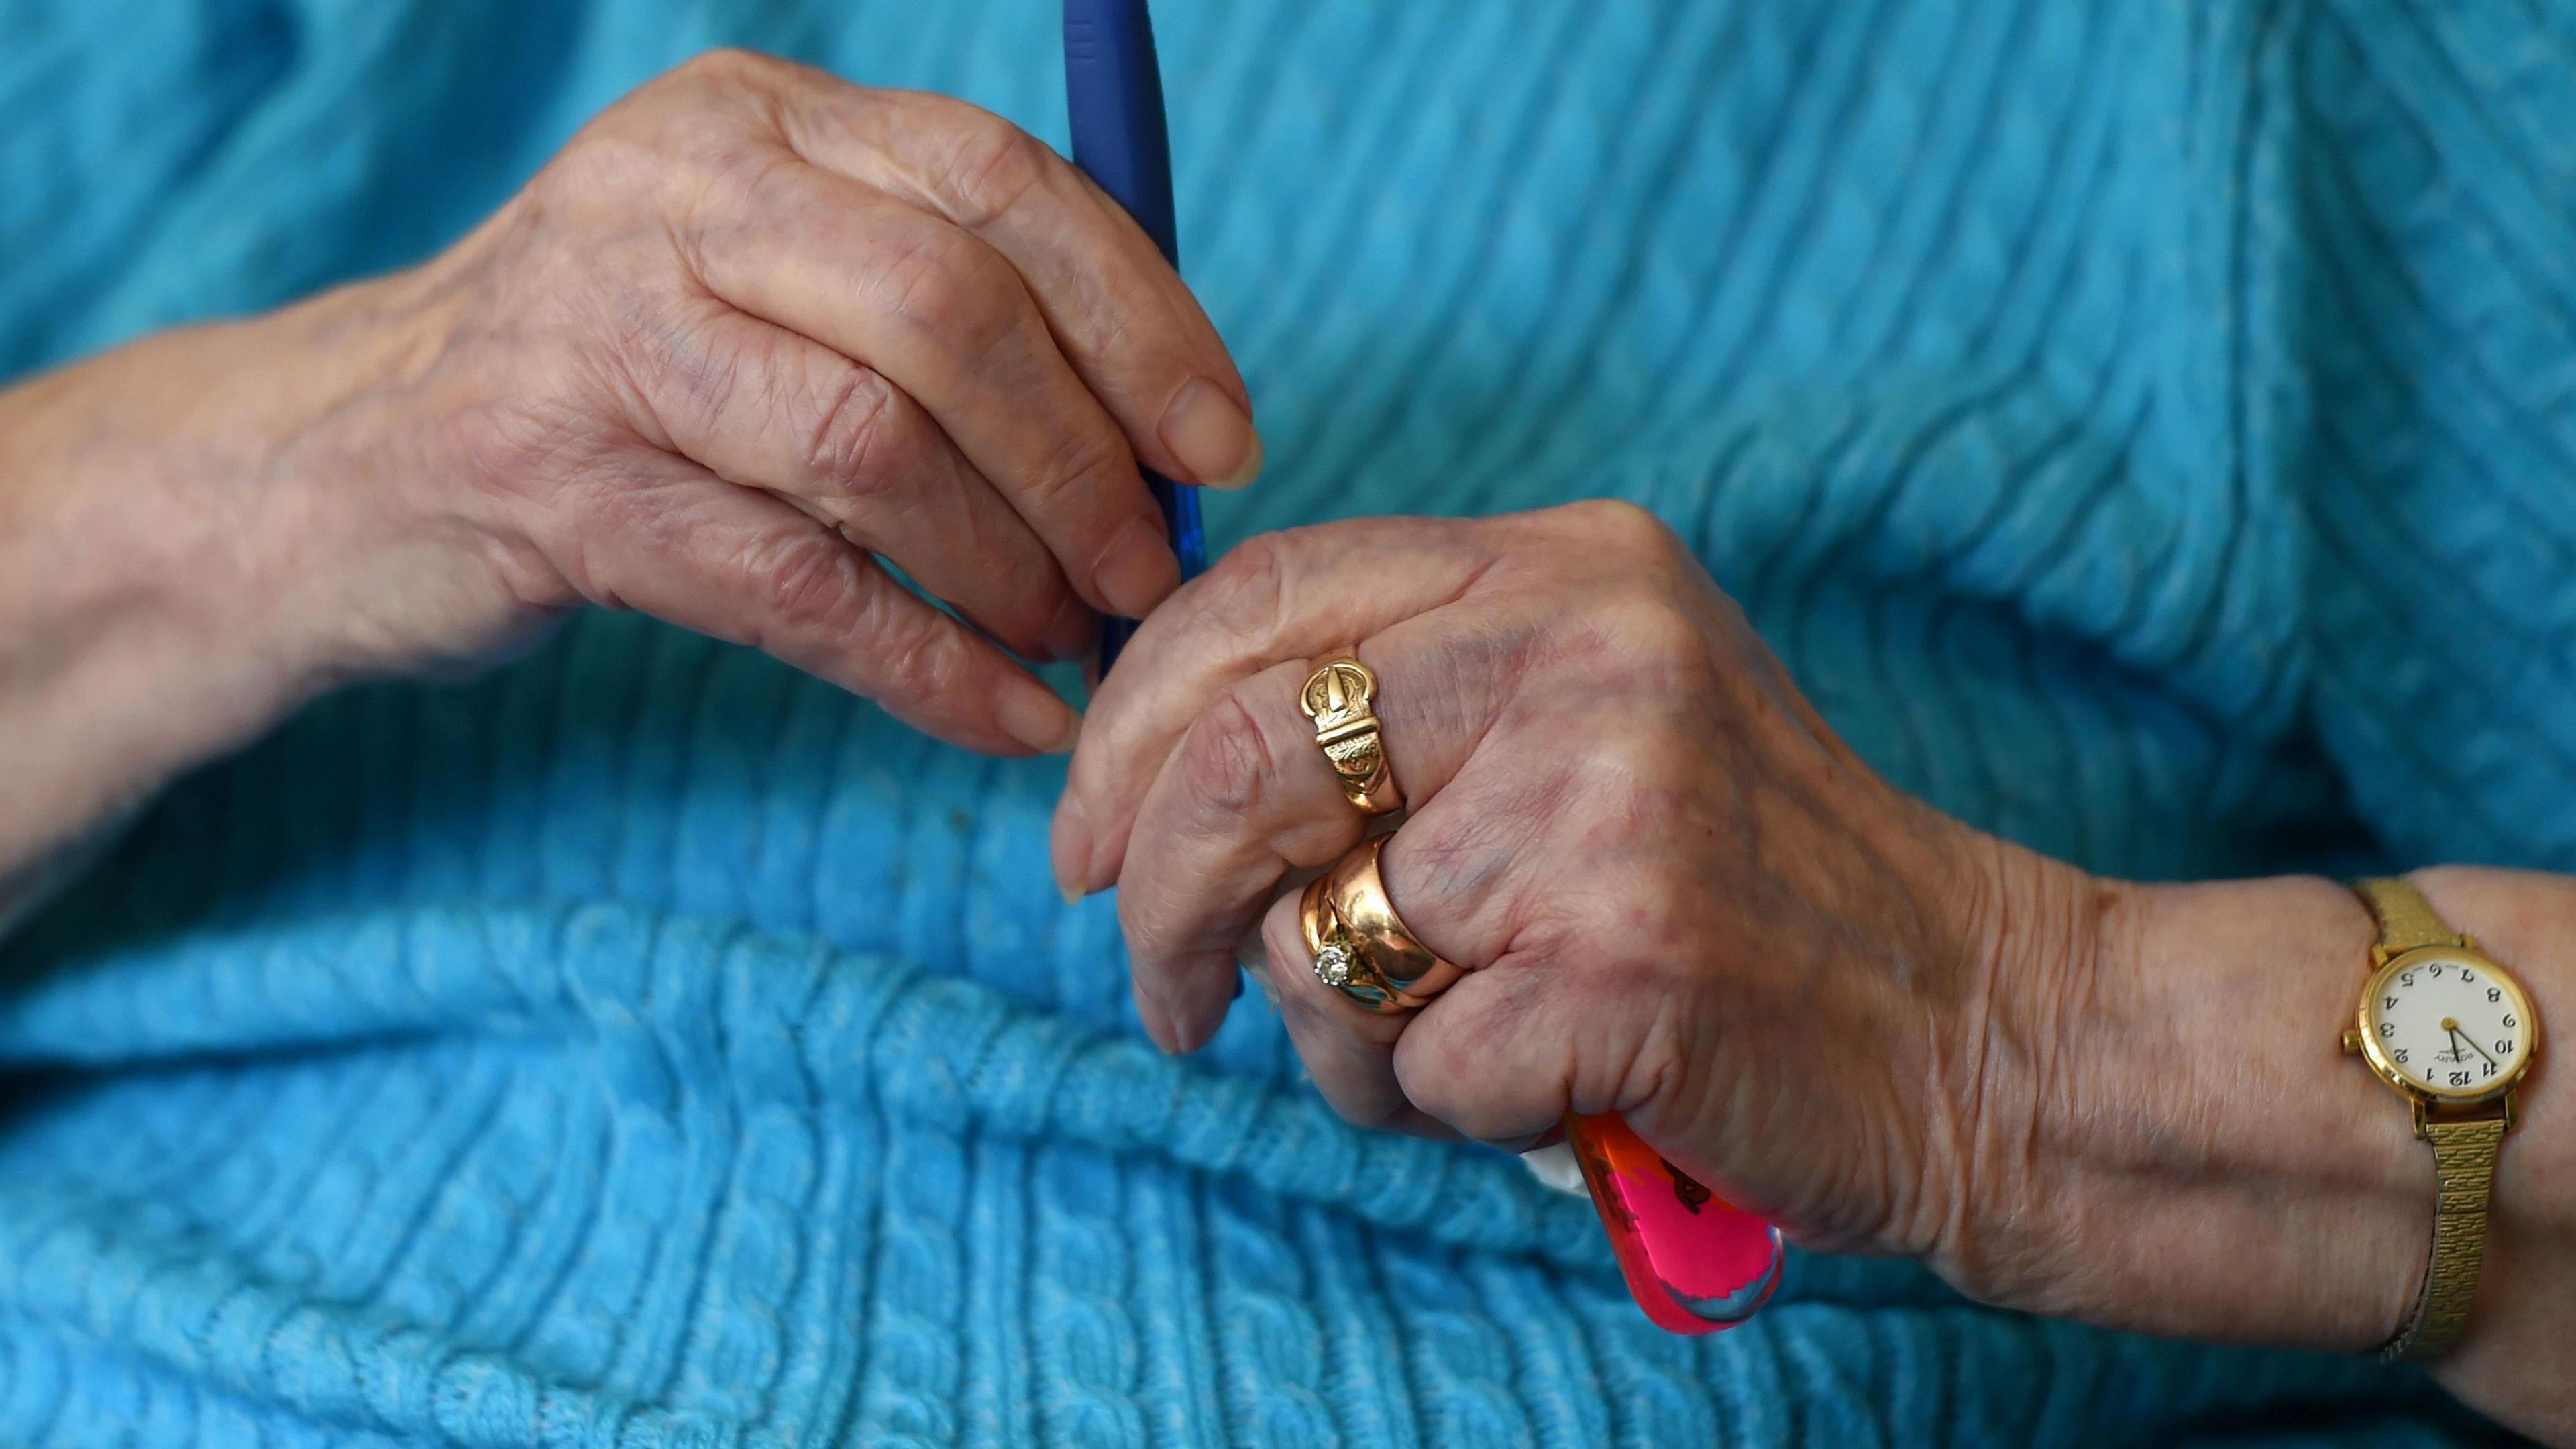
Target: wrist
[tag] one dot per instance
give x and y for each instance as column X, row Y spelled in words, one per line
column 2036, row 938
column 197, row 533
column 369, row 558
column 2203, row 1161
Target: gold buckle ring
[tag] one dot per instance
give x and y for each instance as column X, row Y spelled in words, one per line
column 1341, row 698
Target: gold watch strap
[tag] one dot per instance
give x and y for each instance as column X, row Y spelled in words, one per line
column 2464, row 1154
column 2406, row 919
column 2464, row 1159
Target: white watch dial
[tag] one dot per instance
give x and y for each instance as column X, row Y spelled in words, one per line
column 2455, row 1026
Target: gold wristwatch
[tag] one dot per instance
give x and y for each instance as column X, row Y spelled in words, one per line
column 2452, row 1032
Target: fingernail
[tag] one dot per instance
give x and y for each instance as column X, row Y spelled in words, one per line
column 1158, row 1028
column 1208, row 432
column 1069, row 848
column 1261, row 977
column 1138, row 570
column 1032, row 714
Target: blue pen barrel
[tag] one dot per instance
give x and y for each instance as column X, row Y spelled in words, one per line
column 1113, row 90
column 1113, row 86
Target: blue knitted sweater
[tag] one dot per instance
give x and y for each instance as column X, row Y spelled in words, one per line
column 2144, row 428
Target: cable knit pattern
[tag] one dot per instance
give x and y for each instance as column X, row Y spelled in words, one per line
column 2144, row 427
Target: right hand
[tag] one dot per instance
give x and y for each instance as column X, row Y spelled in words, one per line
column 755, row 329
column 752, row 342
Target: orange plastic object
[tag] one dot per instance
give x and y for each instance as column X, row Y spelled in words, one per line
column 1694, row 1262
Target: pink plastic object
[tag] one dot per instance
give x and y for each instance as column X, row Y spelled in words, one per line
column 1694, row 1262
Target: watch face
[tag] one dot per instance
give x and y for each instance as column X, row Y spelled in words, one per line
column 2449, row 1023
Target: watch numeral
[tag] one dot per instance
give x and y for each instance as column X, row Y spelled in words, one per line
column 2435, row 968
column 2401, row 1056
column 2467, row 975
column 2490, row 1069
column 2495, row 993
column 2406, row 978
column 2459, row 1079
column 2504, row 1044
column 2508, row 1019
column 2388, row 1028
column 2388, row 1001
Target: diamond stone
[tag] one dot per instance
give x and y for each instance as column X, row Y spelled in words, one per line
column 1333, row 964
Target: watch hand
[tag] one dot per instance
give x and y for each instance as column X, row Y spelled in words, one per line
column 2473, row 1046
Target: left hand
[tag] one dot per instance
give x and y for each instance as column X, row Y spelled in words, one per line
column 1679, row 896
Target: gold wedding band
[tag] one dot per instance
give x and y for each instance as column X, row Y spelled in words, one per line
column 1359, row 945
column 1341, row 698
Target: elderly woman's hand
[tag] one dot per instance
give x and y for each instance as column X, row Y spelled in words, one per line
column 1679, row 896
column 752, row 331
column 755, row 326
column 753, row 336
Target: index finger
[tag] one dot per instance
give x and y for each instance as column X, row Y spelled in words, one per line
column 1275, row 598
column 1247, row 796
column 1132, row 330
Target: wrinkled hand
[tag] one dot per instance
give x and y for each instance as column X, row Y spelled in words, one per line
column 1682, row 898
column 1678, row 894
column 755, row 329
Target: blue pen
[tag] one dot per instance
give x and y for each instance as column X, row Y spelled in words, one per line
column 1114, row 90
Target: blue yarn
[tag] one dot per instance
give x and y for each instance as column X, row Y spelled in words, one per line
column 2143, row 428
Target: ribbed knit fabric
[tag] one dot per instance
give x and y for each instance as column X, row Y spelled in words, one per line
column 2145, row 428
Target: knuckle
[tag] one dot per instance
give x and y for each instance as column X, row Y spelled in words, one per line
column 1624, row 526
column 729, row 175
column 605, row 160
column 1083, row 462
column 1651, row 756
column 1461, row 859
column 1456, row 1076
column 855, row 443
column 727, row 82
column 1247, row 591
column 727, row 65
column 991, row 164
column 806, row 582
column 1628, row 802
column 1226, row 761
column 948, row 286
column 1439, row 1069
column 919, row 659
column 702, row 137
column 1645, row 626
